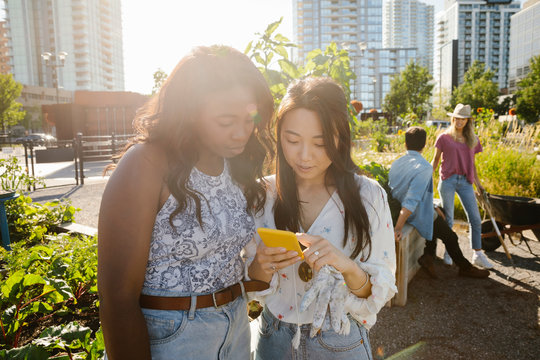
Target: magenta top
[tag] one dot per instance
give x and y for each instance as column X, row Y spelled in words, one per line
column 457, row 158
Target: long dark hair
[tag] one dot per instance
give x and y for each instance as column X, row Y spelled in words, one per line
column 326, row 98
column 167, row 120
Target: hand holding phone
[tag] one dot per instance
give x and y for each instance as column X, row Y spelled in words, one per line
column 280, row 238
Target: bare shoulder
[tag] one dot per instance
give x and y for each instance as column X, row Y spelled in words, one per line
column 142, row 162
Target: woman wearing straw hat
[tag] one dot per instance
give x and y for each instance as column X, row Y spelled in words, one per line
column 458, row 145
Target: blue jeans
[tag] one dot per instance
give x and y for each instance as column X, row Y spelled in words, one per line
column 208, row 333
column 459, row 184
column 275, row 341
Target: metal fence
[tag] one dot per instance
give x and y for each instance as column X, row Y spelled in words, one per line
column 80, row 150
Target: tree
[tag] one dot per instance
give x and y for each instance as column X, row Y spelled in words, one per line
column 478, row 89
column 528, row 94
column 440, row 102
column 10, row 111
column 32, row 120
column 159, row 78
column 410, row 91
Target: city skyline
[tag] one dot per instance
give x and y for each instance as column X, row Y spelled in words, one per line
column 220, row 26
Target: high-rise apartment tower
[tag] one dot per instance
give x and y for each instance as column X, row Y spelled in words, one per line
column 89, row 31
column 409, row 24
column 524, row 41
column 355, row 25
column 482, row 31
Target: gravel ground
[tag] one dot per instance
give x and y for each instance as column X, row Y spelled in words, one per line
column 447, row 318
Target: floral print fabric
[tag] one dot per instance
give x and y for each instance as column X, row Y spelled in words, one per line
column 187, row 259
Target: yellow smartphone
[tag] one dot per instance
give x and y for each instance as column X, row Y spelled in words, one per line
column 280, row 238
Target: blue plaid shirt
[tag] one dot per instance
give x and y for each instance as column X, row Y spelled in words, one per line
column 411, row 181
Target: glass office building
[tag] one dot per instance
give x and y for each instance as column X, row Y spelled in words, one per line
column 90, row 32
column 482, row 28
column 524, row 41
column 409, row 24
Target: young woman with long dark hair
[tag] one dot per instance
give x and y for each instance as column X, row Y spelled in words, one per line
column 344, row 223
column 177, row 212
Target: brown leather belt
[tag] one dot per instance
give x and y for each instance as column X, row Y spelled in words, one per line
column 219, row 298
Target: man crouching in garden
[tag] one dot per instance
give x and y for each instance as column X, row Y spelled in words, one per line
column 411, row 181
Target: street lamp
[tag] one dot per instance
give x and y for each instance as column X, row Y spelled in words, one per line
column 54, row 61
column 362, row 46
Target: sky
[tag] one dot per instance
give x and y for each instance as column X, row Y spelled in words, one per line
column 158, row 33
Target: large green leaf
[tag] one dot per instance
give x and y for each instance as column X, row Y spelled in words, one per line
column 272, row 27
column 32, row 279
column 289, row 68
column 27, row 352
column 69, row 332
column 63, row 290
column 13, row 284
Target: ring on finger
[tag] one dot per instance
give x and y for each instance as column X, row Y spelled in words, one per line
column 316, row 253
column 273, row 268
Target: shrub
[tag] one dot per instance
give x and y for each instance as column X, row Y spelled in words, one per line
column 13, row 177
column 43, row 281
column 30, row 222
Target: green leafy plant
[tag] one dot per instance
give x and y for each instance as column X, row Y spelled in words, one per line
column 66, row 341
column 30, row 221
column 270, row 53
column 13, row 177
column 46, row 280
column 380, row 173
column 25, row 294
column 375, row 130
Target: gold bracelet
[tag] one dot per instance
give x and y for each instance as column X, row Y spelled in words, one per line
column 361, row 287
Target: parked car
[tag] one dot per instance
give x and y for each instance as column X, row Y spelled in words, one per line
column 36, row 139
column 438, row 123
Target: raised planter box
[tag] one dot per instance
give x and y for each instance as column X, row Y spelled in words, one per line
column 408, row 250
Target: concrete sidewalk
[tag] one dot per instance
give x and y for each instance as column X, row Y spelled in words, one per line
column 60, row 184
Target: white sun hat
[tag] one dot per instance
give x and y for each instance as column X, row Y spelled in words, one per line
column 461, row 111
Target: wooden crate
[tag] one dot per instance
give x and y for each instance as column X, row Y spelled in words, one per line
column 408, row 250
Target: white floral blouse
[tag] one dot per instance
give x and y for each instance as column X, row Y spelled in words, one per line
column 381, row 264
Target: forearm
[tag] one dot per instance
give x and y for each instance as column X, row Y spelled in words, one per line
column 357, row 280
column 404, row 214
column 436, row 159
column 477, row 179
column 124, row 331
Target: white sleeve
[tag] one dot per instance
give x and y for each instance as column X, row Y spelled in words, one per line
column 381, row 264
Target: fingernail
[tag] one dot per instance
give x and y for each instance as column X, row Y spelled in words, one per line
column 282, row 250
column 298, row 258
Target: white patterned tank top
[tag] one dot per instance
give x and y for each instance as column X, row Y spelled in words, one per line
column 189, row 260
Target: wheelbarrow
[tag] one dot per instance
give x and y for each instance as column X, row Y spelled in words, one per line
column 511, row 214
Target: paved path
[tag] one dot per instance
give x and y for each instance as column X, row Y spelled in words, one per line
column 60, row 181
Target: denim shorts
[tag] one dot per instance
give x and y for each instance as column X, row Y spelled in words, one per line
column 275, row 341
column 212, row 333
